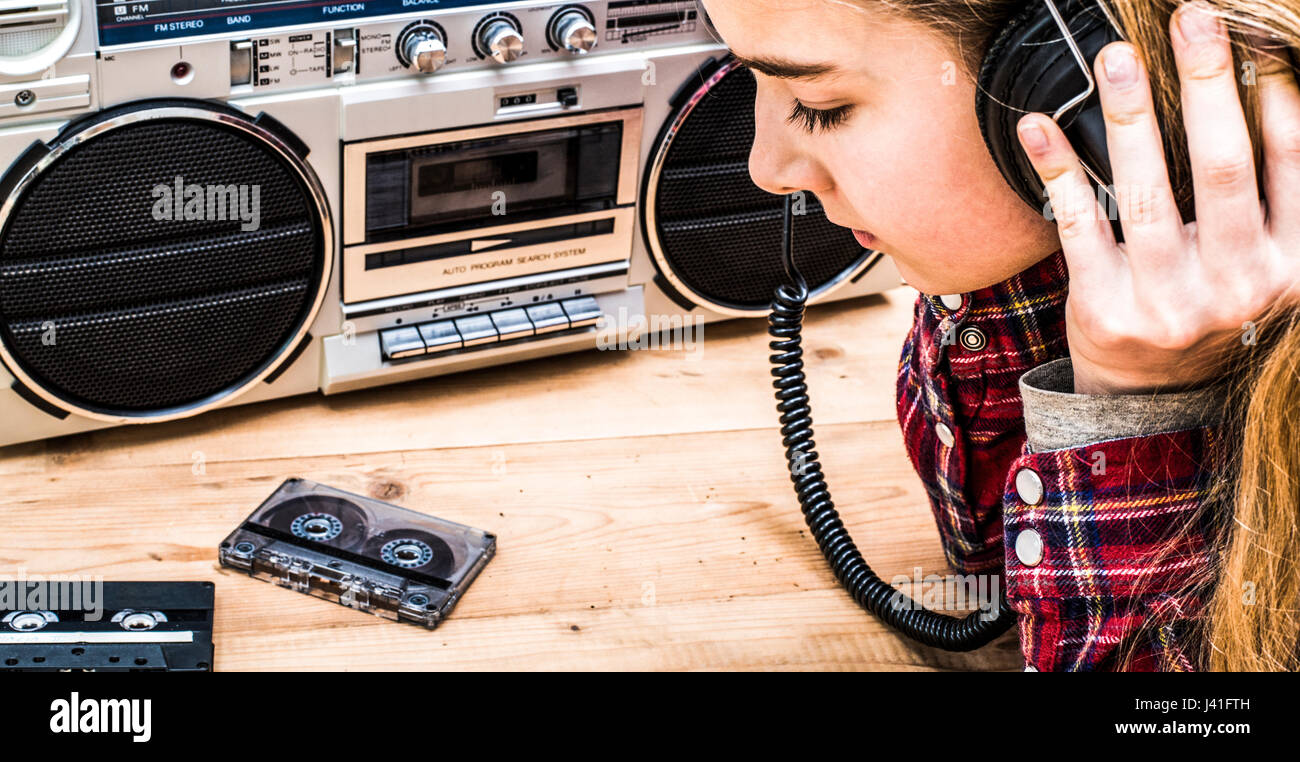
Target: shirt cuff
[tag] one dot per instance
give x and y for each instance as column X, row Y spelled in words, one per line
column 1056, row 418
column 1102, row 542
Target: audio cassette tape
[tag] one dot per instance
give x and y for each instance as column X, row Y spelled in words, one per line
column 94, row 626
column 359, row 552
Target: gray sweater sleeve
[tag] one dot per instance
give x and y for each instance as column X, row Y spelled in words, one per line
column 1056, row 418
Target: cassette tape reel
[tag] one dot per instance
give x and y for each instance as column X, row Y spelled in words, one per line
column 359, row 552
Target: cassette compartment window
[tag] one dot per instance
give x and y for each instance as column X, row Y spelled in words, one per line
column 470, row 183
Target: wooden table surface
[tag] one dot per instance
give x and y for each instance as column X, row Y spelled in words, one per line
column 644, row 515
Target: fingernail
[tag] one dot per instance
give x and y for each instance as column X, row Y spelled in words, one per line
column 1121, row 66
column 1197, row 25
column 1033, row 137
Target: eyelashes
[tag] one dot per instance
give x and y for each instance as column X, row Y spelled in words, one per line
column 812, row 119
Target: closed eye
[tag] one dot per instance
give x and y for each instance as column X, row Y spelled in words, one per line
column 812, row 119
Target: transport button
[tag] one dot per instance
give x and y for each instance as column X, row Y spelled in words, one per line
column 547, row 317
column 477, row 329
column 512, row 323
column 440, row 336
column 399, row 343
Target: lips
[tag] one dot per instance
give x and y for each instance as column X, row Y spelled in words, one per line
column 865, row 238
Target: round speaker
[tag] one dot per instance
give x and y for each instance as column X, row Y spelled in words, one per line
column 713, row 234
column 158, row 259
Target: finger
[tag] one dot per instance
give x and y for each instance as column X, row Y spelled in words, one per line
column 1154, row 237
column 1228, row 211
column 1279, row 106
column 1086, row 237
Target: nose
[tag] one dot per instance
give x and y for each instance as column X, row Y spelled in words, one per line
column 779, row 161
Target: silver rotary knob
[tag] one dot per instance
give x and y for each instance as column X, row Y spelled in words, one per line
column 502, row 40
column 574, row 32
column 424, row 50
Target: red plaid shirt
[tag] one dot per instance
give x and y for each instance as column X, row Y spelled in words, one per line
column 1112, row 518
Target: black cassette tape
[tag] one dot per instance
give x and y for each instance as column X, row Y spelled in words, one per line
column 50, row 626
column 359, row 552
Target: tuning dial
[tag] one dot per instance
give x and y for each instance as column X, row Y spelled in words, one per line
column 501, row 39
column 423, row 49
column 574, row 31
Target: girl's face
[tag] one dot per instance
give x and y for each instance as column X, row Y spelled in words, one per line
column 894, row 147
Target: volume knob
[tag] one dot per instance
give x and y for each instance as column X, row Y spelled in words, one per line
column 502, row 40
column 424, row 50
column 574, row 32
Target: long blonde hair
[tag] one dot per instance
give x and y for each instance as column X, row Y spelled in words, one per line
column 1251, row 615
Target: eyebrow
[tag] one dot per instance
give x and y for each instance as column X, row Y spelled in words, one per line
column 786, row 69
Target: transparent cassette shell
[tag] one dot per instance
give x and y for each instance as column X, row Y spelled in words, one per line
column 359, row 552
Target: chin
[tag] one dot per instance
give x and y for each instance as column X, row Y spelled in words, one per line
column 926, row 284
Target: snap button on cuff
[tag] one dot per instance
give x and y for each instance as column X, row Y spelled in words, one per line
column 1029, row 547
column 1029, row 487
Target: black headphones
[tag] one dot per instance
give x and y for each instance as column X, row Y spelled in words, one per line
column 1030, row 66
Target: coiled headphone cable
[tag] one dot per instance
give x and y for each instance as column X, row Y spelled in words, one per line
column 890, row 605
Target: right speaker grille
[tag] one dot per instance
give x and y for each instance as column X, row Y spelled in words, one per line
column 714, row 234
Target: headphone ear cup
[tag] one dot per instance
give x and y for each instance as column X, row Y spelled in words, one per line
column 998, row 59
column 1028, row 68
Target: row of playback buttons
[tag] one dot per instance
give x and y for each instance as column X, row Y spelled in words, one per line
column 488, row 328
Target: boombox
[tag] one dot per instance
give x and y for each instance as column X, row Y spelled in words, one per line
column 215, row 202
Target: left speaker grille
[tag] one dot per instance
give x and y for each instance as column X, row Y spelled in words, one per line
column 107, row 306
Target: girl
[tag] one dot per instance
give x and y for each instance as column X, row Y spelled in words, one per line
column 1117, row 428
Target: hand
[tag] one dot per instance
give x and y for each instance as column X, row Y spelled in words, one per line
column 1159, row 309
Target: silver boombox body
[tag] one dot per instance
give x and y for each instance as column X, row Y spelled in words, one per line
column 445, row 186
